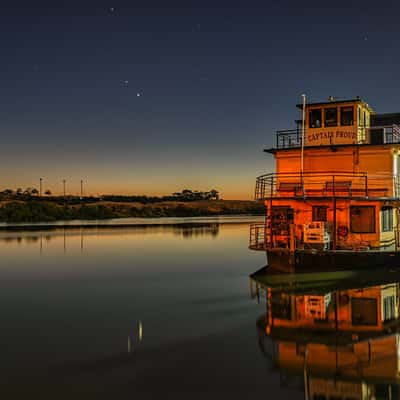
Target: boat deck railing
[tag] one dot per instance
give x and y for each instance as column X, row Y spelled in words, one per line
column 261, row 238
column 379, row 134
column 326, row 184
column 286, row 139
column 258, row 237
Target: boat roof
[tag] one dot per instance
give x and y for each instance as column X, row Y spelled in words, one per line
column 336, row 101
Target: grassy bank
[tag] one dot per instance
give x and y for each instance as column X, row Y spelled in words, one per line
column 47, row 211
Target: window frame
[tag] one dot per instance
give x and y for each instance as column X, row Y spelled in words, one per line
column 329, row 125
column 367, row 301
column 310, row 112
column 316, row 210
column 386, row 219
column 373, row 208
column 342, row 111
column 389, row 308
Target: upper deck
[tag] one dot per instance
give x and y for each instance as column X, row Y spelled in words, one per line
column 344, row 122
column 327, row 184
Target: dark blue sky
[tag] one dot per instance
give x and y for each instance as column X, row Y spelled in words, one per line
column 140, row 97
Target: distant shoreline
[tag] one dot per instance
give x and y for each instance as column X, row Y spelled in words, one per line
column 40, row 211
column 125, row 223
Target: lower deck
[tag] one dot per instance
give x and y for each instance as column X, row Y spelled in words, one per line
column 328, row 224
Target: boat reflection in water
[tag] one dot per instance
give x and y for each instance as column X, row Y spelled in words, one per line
column 342, row 342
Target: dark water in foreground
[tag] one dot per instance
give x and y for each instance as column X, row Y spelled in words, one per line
column 169, row 312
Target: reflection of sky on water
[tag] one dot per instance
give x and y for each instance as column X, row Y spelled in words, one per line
column 164, row 221
column 184, row 230
column 75, row 297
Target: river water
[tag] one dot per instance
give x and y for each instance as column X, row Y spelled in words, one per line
column 142, row 312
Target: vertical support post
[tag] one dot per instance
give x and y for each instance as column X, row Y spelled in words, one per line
column 292, row 237
column 396, row 232
column 306, row 390
column 334, row 223
column 366, row 185
column 369, row 350
column 270, row 212
column 336, row 328
column 269, row 316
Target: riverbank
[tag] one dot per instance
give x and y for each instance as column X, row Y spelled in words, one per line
column 46, row 211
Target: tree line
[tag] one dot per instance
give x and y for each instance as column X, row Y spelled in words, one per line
column 30, row 193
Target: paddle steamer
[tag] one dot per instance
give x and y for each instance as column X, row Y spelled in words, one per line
column 333, row 202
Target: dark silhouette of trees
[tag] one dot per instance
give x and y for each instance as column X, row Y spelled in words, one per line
column 186, row 195
column 189, row 195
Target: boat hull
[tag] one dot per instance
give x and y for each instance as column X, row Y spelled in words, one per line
column 310, row 260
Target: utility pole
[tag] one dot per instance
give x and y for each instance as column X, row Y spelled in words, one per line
column 81, row 188
column 303, row 129
column 64, row 192
column 40, row 187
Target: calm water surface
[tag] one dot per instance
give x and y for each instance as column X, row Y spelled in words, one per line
column 159, row 311
column 130, row 312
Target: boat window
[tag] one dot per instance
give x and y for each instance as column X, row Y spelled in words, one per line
column 319, row 213
column 364, row 311
column 362, row 219
column 389, row 308
column 346, row 116
column 315, row 117
column 331, row 115
column 386, row 219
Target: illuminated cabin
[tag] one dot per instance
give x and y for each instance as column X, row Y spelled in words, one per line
column 342, row 344
column 340, row 191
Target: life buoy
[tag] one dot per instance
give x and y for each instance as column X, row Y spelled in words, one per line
column 342, row 230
